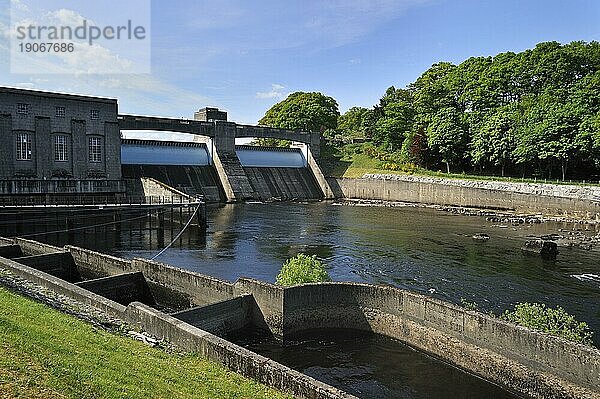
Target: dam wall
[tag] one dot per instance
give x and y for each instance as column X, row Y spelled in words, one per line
column 430, row 191
column 533, row 364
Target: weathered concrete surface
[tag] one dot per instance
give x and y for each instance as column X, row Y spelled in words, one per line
column 220, row 318
column 230, row 355
column 473, row 196
column 62, row 287
column 188, row 337
column 198, row 289
column 30, row 247
column 122, row 288
column 319, row 176
column 155, row 188
column 58, row 264
column 531, row 363
column 268, row 313
column 10, row 251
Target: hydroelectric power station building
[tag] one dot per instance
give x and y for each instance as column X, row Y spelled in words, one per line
column 53, row 143
column 59, row 145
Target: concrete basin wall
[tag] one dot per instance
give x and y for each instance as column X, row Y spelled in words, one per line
column 531, row 363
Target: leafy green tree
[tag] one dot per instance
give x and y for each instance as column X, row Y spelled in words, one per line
column 552, row 321
column 303, row 111
column 302, row 269
column 447, row 136
column 353, row 123
column 494, row 143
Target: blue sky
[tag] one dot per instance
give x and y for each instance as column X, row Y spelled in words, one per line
column 245, row 56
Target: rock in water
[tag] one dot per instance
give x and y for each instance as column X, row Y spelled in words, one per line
column 544, row 248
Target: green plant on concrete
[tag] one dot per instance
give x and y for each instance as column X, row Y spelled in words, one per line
column 302, row 269
column 555, row 321
column 468, row 305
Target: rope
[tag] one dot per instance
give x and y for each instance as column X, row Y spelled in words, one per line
column 178, row 235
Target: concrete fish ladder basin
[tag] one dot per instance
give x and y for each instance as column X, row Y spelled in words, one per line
column 195, row 312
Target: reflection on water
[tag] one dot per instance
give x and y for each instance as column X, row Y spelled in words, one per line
column 372, row 366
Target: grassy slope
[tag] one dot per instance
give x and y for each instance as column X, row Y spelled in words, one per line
column 356, row 165
column 48, row 354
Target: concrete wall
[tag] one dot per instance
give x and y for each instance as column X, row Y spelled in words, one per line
column 529, row 362
column 58, row 264
column 220, row 318
column 185, row 335
column 533, row 364
column 123, row 288
column 198, row 289
column 155, row 188
column 230, row 355
column 435, row 193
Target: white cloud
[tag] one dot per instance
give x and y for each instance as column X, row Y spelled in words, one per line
column 105, row 56
column 275, row 92
column 19, row 5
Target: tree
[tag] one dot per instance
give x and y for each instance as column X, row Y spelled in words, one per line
column 447, row 136
column 302, row 269
column 303, row 111
column 494, row 143
column 354, row 123
column 395, row 118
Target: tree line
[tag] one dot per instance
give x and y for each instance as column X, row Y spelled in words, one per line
column 533, row 113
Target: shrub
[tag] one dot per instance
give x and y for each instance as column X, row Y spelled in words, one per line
column 552, row 321
column 302, row 269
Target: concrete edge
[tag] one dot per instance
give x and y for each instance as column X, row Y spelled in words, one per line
column 63, row 287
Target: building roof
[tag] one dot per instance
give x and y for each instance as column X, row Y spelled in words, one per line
column 50, row 94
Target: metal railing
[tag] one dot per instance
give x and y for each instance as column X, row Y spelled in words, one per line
column 80, row 200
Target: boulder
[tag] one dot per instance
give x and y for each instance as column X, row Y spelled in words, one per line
column 544, row 248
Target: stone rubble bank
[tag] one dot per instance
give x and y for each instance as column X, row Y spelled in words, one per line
column 591, row 193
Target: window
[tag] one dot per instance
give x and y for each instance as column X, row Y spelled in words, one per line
column 94, row 114
column 95, row 149
column 60, row 112
column 60, row 148
column 23, row 147
column 22, row 109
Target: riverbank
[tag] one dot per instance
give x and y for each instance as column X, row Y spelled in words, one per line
column 84, row 353
column 557, row 202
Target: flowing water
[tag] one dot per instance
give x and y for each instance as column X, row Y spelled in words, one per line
column 420, row 249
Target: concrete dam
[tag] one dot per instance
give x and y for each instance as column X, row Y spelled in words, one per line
column 272, row 173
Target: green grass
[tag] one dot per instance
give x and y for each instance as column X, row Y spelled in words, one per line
column 48, row 354
column 356, row 165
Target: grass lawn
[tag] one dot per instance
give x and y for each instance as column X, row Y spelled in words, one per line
column 48, row 354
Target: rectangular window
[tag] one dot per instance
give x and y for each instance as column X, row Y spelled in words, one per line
column 94, row 114
column 23, row 146
column 95, row 149
column 22, row 109
column 60, row 112
column 60, row 148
